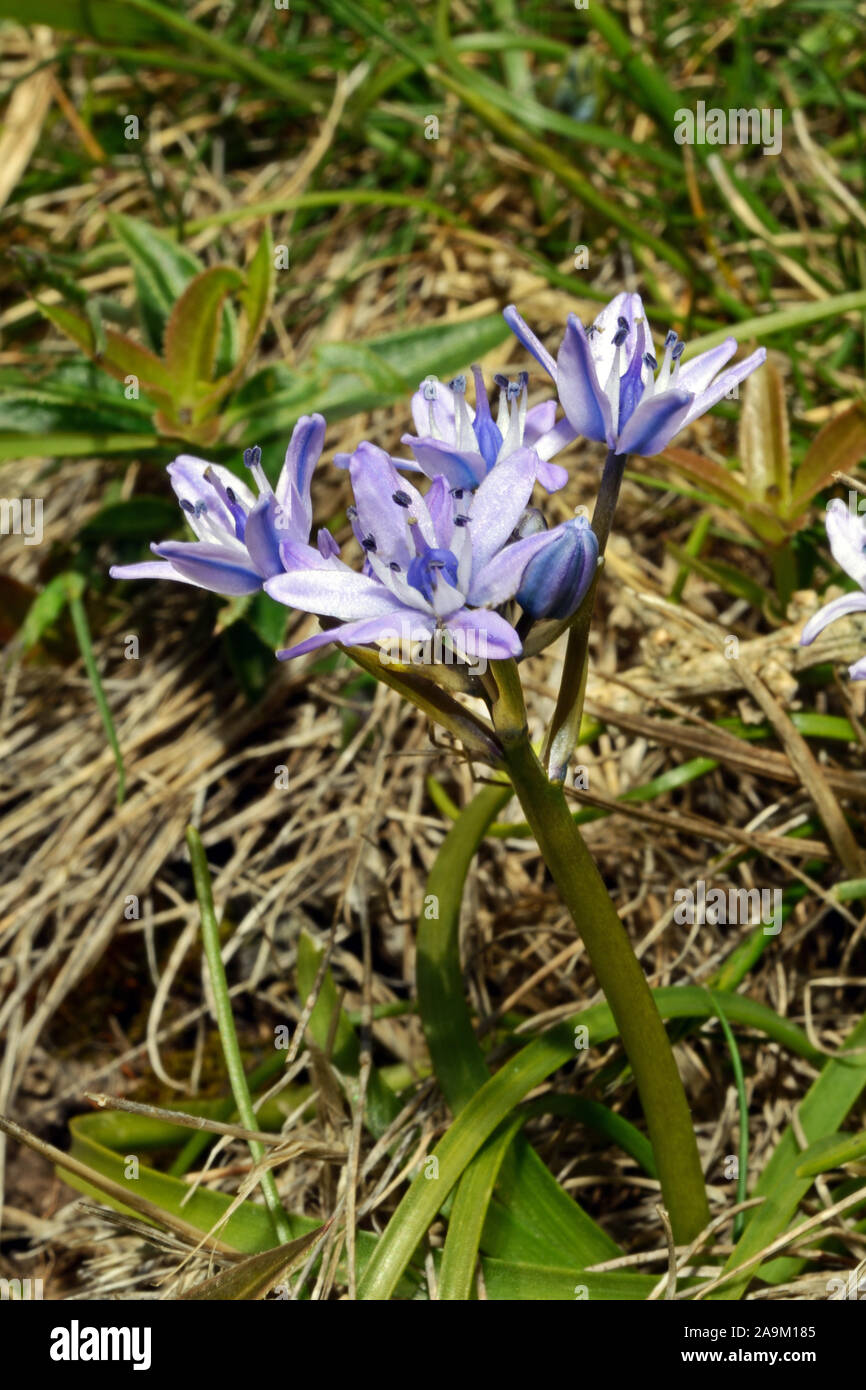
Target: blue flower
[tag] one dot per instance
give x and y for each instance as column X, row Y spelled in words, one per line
column 846, row 532
column 439, row 564
column 239, row 534
column 612, row 388
column 463, row 445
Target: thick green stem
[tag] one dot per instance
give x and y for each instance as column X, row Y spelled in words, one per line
column 615, row 964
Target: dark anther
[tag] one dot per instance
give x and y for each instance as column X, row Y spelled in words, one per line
column 369, row 543
column 401, row 498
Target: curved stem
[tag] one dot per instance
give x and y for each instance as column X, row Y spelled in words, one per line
column 615, row 964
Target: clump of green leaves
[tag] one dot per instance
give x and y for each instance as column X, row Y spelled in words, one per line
column 196, row 354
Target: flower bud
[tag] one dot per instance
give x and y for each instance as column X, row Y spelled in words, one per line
column 558, row 576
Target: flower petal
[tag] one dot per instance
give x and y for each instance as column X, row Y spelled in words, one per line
column 525, row 335
column 696, row 374
column 705, row 400
column 501, row 577
column 857, row 672
column 461, row 469
column 846, row 533
column 551, row 476
column 149, row 569
column 499, row 504
column 479, row 634
column 654, row 424
column 263, row 534
column 364, row 631
column 211, row 567
column 586, row 406
column 190, row 485
column 837, row 608
column 293, row 484
column 334, row 593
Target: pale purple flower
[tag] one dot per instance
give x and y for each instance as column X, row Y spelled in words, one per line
column 462, row 444
column 439, row 564
column 846, row 532
column 239, row 533
column 612, row 388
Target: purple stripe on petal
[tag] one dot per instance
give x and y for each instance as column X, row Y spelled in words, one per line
column 363, row 631
column 525, row 335
column 210, row 566
column 460, row 469
column 585, row 404
column 654, row 424
column 262, row 535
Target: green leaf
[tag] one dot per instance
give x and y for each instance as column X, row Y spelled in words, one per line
column 531, row 1202
column 341, row 381
column 121, row 357
column 528, row 1283
column 191, row 333
column 98, row 19
column 258, row 292
column 47, row 607
column 522, row 1073
column 256, row 1277
column 73, row 396
column 838, row 447
column 820, row 1114
column 161, row 267
column 74, row 445
column 832, row 1152
column 468, row 1212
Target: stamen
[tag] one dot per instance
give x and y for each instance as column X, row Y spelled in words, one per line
column 369, row 543
column 622, row 322
column 462, row 520
column 392, row 565
column 620, row 336
column 352, row 513
column 650, row 361
column 253, row 461
column 401, row 498
column 458, row 384
column 457, row 492
column 428, row 387
column 187, row 506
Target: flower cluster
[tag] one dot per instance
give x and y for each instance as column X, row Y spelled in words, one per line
column 454, row 562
